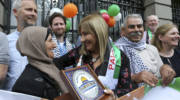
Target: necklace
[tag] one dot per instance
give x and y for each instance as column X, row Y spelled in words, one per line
column 167, row 54
column 168, row 59
column 95, row 59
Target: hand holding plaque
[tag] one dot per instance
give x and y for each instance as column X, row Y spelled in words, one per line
column 83, row 83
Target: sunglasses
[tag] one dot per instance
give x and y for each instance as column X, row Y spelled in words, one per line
column 133, row 26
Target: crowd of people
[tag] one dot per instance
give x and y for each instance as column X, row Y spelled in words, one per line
column 32, row 56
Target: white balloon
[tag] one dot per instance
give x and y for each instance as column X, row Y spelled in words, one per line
column 118, row 17
column 55, row 10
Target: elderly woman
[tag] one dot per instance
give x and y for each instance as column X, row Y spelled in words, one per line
column 109, row 63
column 40, row 77
column 166, row 40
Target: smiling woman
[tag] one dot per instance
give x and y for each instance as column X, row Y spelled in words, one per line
column 40, row 77
column 108, row 65
column 166, row 40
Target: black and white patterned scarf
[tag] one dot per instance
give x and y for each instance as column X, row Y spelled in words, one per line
column 58, row 52
column 129, row 48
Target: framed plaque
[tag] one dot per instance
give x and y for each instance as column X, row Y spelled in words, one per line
column 83, row 83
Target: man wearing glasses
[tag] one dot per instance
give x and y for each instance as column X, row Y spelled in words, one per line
column 145, row 62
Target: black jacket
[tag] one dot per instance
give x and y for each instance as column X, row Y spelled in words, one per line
column 34, row 82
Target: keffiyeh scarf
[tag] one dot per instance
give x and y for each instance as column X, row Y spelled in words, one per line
column 61, row 50
column 129, row 49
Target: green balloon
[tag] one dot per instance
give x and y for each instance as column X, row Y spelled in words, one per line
column 113, row 10
column 103, row 11
column 68, row 24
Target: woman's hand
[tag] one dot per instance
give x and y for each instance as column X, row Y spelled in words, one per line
column 109, row 95
column 50, row 45
column 167, row 74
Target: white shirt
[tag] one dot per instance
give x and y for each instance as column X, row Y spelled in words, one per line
column 151, row 59
column 17, row 62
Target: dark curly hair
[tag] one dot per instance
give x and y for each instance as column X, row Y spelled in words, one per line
column 56, row 15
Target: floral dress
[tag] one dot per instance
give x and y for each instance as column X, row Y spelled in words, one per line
column 124, row 84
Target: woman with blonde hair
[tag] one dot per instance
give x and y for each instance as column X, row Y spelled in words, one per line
column 166, row 40
column 109, row 63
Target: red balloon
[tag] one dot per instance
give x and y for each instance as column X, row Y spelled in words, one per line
column 111, row 22
column 105, row 16
column 70, row 10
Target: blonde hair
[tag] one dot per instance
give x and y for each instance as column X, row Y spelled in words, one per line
column 95, row 24
column 161, row 31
